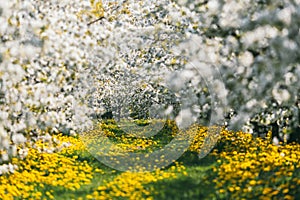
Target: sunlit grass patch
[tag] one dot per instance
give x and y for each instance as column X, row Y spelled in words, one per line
column 135, row 185
column 129, row 137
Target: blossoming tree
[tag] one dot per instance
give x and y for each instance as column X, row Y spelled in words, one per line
column 62, row 61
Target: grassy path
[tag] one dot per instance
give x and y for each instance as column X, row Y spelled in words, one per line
column 239, row 167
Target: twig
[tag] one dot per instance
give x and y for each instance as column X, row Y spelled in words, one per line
column 96, row 20
column 102, row 17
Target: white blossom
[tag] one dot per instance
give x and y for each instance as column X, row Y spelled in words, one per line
column 56, row 70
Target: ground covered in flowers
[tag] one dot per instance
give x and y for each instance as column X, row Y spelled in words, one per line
column 239, row 167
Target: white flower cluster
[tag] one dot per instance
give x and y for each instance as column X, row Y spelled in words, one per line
column 59, row 64
column 260, row 63
column 40, row 64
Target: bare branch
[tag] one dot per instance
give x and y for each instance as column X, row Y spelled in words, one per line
column 96, row 20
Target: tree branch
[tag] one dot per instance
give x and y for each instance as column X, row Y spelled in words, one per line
column 96, row 20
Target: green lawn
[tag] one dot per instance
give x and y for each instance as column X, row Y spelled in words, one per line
column 239, row 167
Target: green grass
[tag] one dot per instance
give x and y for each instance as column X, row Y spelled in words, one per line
column 240, row 167
column 211, row 177
column 194, row 185
column 98, row 179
